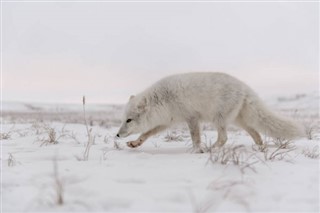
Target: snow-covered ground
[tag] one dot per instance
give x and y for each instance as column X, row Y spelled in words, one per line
column 160, row 176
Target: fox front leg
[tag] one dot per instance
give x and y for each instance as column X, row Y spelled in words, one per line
column 195, row 135
column 136, row 143
column 145, row 136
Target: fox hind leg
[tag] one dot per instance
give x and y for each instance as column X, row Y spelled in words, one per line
column 222, row 131
column 251, row 131
column 255, row 135
column 222, row 137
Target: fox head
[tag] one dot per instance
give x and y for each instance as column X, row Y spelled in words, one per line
column 135, row 116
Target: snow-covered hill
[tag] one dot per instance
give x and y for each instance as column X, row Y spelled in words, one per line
column 44, row 168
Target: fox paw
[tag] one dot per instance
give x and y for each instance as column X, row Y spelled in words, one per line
column 133, row 144
column 197, row 150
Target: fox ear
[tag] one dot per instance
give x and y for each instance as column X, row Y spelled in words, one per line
column 131, row 97
column 142, row 106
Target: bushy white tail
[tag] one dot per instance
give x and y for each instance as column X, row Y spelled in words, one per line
column 256, row 115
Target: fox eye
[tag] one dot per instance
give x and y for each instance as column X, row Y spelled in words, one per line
column 129, row 120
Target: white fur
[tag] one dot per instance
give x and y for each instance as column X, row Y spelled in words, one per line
column 204, row 97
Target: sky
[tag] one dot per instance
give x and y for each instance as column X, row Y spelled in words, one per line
column 58, row 52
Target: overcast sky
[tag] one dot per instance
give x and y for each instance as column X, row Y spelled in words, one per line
column 57, row 52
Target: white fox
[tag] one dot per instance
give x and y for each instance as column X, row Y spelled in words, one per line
column 203, row 97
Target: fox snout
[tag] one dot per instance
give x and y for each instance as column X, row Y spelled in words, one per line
column 119, row 135
column 122, row 133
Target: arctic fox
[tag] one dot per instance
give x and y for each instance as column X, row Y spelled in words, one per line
column 203, row 97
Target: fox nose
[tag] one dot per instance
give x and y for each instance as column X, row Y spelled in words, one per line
column 118, row 135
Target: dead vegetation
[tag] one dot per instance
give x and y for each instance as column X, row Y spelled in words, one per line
column 313, row 153
column 311, row 128
column 89, row 133
column 59, row 186
column 104, row 155
column 5, row 135
column 283, row 143
column 51, row 136
column 11, row 160
column 282, row 151
column 156, row 144
column 173, row 136
column 117, row 145
column 234, row 155
column 245, row 159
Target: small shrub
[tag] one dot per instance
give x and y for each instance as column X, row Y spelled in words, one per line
column 5, row 135
column 38, row 128
column 173, row 136
column 311, row 128
column 313, row 153
column 282, row 143
column 236, row 155
column 11, row 160
column 280, row 153
column 51, row 137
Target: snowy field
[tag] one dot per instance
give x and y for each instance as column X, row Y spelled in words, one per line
column 47, row 165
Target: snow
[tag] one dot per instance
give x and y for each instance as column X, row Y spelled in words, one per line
column 159, row 176
column 42, row 107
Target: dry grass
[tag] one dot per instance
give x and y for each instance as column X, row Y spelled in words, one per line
column 173, row 136
column 282, row 152
column 59, row 186
column 72, row 136
column 104, row 155
column 117, row 145
column 5, row 135
column 106, row 139
column 156, row 144
column 234, row 155
column 245, row 159
column 51, row 137
column 38, row 127
column 313, row 153
column 283, row 143
column 311, row 128
column 89, row 132
column 11, row 160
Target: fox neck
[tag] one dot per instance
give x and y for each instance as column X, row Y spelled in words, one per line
column 158, row 116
